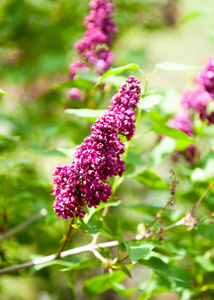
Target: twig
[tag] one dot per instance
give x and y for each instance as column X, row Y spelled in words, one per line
column 158, row 215
column 11, row 232
column 188, row 220
column 94, row 241
column 63, row 254
column 203, row 196
column 58, row 254
column 88, row 248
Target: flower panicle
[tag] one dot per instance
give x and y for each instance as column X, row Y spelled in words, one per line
column 84, row 181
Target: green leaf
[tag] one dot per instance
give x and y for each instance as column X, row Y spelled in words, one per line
column 87, row 114
column 89, row 263
column 138, row 250
column 171, row 66
column 160, row 268
column 145, row 209
column 67, row 151
column 115, row 80
column 88, row 76
column 205, row 263
column 116, row 71
column 126, row 271
column 111, row 228
column 150, row 179
column 148, row 102
column 91, row 228
column 92, row 210
column 171, row 132
column 164, row 250
column 105, row 252
column 99, row 284
column 51, row 263
column 200, row 175
column 120, row 288
column 5, row 93
column 193, row 15
column 206, row 230
column 165, row 147
column 78, row 83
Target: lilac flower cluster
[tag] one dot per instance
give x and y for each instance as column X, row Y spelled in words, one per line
column 199, row 99
column 95, row 45
column 196, row 101
column 74, row 66
column 84, row 182
column 183, row 122
column 206, row 77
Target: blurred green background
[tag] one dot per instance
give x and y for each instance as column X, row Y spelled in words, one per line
column 36, row 48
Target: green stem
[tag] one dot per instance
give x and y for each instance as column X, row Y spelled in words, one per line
column 58, row 254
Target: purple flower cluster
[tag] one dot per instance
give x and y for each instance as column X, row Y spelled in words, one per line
column 196, row 101
column 74, row 66
column 182, row 122
column 199, row 99
column 95, row 45
column 206, row 77
column 84, row 182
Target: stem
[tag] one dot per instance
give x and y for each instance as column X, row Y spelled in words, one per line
column 58, row 254
column 87, row 248
column 203, row 196
column 11, row 232
column 158, row 215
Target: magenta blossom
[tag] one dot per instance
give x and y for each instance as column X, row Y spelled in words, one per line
column 75, row 94
column 84, row 181
column 77, row 65
column 198, row 101
column 95, row 45
column 206, row 77
column 182, row 122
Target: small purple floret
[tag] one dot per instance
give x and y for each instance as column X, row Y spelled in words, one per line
column 75, row 94
column 84, row 182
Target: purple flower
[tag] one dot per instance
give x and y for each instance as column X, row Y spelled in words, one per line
column 206, row 77
column 182, row 122
column 198, row 101
column 75, row 94
column 95, row 45
column 84, row 182
column 74, row 66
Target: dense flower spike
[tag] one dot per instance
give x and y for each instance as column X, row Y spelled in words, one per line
column 95, row 45
column 206, row 77
column 98, row 157
column 198, row 101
